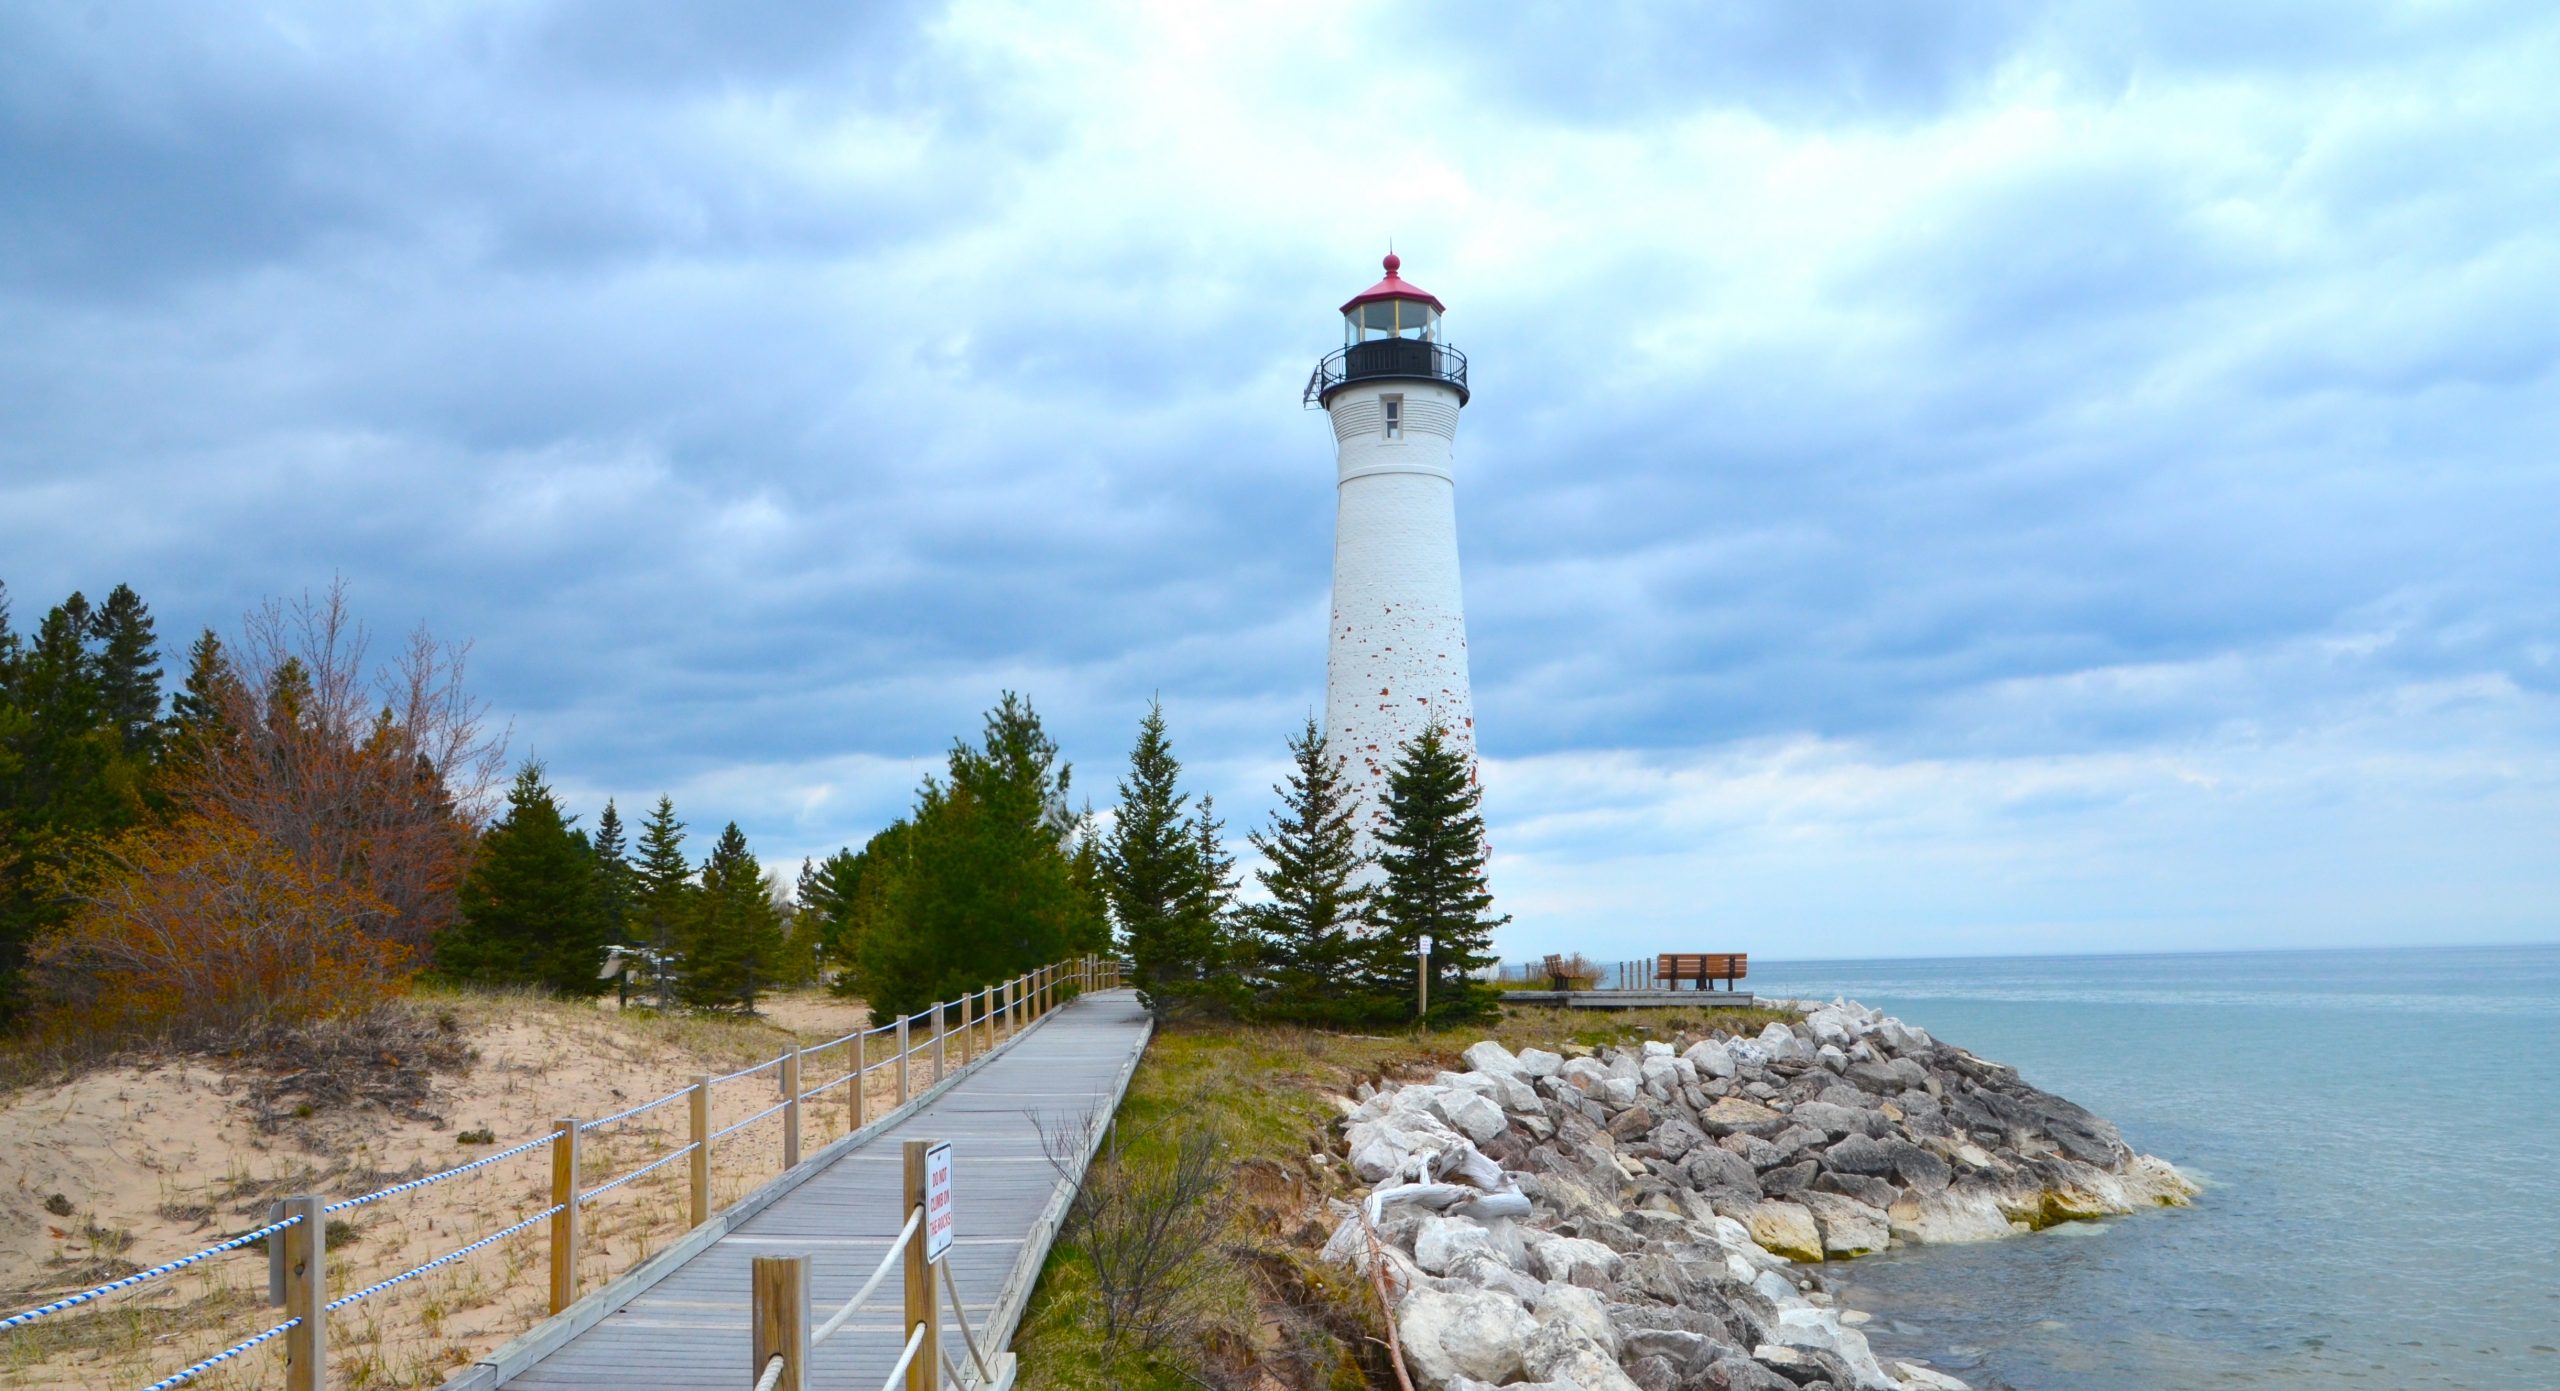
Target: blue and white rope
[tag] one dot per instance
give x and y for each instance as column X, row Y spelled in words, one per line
column 642, row 1109
column 760, row 1115
column 603, row 1188
column 747, row 1071
column 138, row 1277
column 175, row 1378
column 447, row 1258
column 343, row 1204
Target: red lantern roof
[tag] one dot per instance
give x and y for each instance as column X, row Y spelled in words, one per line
column 1393, row 287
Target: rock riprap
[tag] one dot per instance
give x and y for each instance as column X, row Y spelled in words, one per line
column 1644, row 1219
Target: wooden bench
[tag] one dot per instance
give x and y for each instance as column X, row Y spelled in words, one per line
column 1555, row 973
column 1702, row 967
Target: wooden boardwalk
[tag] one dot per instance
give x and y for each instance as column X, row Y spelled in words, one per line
column 689, row 1329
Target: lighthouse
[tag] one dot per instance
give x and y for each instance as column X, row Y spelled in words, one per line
column 1397, row 657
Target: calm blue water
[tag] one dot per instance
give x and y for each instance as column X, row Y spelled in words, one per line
column 2379, row 1133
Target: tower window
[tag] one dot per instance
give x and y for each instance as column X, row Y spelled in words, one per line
column 1393, row 406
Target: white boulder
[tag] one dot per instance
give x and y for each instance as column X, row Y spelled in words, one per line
column 1820, row 1328
column 1443, row 1241
column 1559, row 1259
column 1448, row 1334
column 1538, row 1062
column 1558, row 1353
column 1581, row 1310
column 1711, row 1058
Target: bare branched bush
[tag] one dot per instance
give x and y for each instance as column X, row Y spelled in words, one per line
column 377, row 778
column 1152, row 1214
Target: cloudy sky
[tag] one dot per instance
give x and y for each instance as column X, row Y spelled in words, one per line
column 1941, row 479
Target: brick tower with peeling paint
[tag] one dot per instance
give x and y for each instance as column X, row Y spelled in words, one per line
column 1398, row 653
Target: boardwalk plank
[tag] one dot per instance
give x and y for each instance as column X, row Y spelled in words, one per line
column 690, row 1330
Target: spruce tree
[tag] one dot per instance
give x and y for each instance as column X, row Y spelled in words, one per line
column 732, row 941
column 531, row 913
column 611, row 854
column 614, row 876
column 983, row 887
column 1154, row 868
column 1434, row 884
column 663, row 891
column 1310, row 933
column 128, row 671
column 199, row 712
column 69, row 783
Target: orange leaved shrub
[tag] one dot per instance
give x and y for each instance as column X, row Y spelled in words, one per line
column 203, row 929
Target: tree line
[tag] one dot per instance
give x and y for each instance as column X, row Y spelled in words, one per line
column 992, row 873
column 298, row 830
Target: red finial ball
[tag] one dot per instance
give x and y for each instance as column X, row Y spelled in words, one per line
column 1393, row 263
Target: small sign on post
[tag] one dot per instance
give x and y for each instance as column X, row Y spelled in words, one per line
column 937, row 1201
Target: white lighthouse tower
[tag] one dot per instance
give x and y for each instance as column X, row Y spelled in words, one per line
column 1398, row 653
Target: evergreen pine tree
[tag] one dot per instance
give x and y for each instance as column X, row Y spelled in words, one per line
column 732, row 941
column 1434, row 863
column 129, row 671
column 1156, row 868
column 663, row 891
column 983, row 887
column 611, row 854
column 67, row 784
column 199, row 712
column 531, row 913
column 614, row 875
column 1310, row 933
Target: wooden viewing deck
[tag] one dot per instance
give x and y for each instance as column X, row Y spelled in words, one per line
column 681, row 1320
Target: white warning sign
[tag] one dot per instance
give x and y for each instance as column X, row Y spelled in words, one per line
column 937, row 1201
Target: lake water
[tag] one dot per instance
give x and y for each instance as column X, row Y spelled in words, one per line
column 2378, row 1133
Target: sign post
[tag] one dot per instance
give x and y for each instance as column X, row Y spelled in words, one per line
column 1422, row 973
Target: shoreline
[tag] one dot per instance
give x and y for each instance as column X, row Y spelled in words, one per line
column 1658, row 1217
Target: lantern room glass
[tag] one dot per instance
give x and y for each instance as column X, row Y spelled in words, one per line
column 1391, row 318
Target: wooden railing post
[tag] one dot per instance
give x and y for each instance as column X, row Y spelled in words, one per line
column 941, row 1028
column 791, row 1108
column 306, row 1295
column 861, row 1070
column 903, row 1021
column 925, row 1372
column 701, row 1166
column 564, row 1223
column 781, row 1319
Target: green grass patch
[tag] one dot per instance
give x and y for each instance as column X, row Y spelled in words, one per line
column 1272, row 1312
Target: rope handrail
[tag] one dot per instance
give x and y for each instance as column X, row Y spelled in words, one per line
column 606, row 1187
column 914, row 1340
column 897, row 1248
column 139, row 1276
column 760, row 1115
column 484, row 1161
column 447, row 1258
column 829, row 1086
column 178, row 1378
column 642, row 1109
column 960, row 1316
column 774, row 1061
column 772, row 1373
column 950, row 1373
